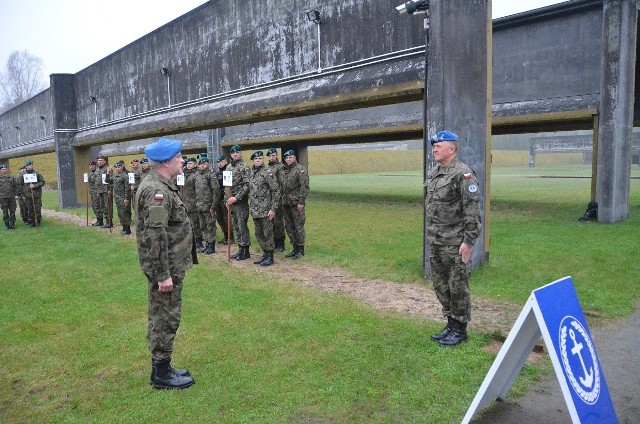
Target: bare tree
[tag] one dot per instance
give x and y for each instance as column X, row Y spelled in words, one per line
column 21, row 80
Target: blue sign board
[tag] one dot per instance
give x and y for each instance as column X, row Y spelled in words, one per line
column 575, row 352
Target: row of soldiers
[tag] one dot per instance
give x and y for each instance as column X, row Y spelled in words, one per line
column 25, row 190
column 273, row 194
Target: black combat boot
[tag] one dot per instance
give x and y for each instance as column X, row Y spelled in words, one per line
column 300, row 252
column 243, row 254
column 107, row 224
column 209, row 248
column 12, row 224
column 237, row 254
column 261, row 258
column 98, row 223
column 268, row 260
column 126, row 229
column 199, row 244
column 181, row 373
column 444, row 333
column 293, row 253
column 279, row 245
column 7, row 226
column 457, row 335
column 165, row 377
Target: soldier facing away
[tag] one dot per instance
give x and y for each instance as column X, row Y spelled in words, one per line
column 164, row 238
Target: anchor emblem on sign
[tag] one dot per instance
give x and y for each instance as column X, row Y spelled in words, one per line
column 587, row 380
column 576, row 348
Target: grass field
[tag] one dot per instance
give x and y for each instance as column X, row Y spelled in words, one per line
column 73, row 314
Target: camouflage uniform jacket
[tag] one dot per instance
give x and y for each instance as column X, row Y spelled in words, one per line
column 264, row 191
column 101, row 188
column 8, row 187
column 121, row 188
column 91, row 177
column 26, row 190
column 294, row 181
column 452, row 205
column 240, row 180
column 189, row 198
column 163, row 229
column 207, row 190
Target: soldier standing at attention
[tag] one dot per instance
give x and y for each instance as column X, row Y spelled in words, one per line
column 8, row 194
column 22, row 208
column 239, row 202
column 278, row 221
column 207, row 192
column 122, row 196
column 91, row 180
column 135, row 170
column 32, row 193
column 164, row 238
column 189, row 200
column 221, row 209
column 104, row 194
column 295, row 189
column 264, row 193
column 453, row 225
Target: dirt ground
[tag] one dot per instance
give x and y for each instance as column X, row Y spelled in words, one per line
column 617, row 343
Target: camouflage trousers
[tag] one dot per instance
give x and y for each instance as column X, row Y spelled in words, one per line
column 451, row 281
column 264, row 233
column 103, row 208
column 124, row 212
column 207, row 224
column 294, row 224
column 165, row 312
column 95, row 207
column 221, row 217
column 278, row 224
column 240, row 218
column 195, row 224
column 33, row 205
column 22, row 207
column 8, row 205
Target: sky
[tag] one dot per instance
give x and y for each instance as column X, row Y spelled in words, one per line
column 70, row 35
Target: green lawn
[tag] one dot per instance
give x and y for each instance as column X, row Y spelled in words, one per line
column 73, row 314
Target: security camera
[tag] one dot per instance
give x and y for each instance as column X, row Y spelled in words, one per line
column 413, row 6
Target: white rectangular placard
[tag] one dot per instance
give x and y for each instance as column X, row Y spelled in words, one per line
column 132, row 178
column 30, row 178
column 227, row 178
column 86, row 177
column 180, row 179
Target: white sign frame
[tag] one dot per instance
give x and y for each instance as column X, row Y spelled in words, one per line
column 227, row 178
column 180, row 179
column 30, row 178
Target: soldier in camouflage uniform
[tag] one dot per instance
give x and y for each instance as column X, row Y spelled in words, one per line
column 294, row 181
column 207, row 193
column 221, row 208
column 264, row 194
column 239, row 202
column 21, row 206
column 453, row 225
column 278, row 222
column 8, row 194
column 122, row 196
column 32, row 193
column 104, row 193
column 189, row 199
column 91, row 181
column 164, row 238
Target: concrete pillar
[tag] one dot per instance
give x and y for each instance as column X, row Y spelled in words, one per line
column 458, row 94
column 619, row 29
column 64, row 118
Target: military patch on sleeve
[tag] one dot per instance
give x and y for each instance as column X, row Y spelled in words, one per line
column 158, row 216
column 467, row 176
column 158, row 196
column 473, row 188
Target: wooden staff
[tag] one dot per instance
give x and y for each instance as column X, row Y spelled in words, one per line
column 87, row 204
column 33, row 201
column 109, row 210
column 228, row 226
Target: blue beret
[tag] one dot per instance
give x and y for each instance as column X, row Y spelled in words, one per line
column 257, row 154
column 443, row 136
column 288, row 153
column 144, row 160
column 221, row 158
column 163, row 149
column 236, row 148
column 272, row 150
